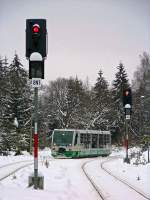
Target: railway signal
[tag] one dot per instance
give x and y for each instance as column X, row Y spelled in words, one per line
column 127, row 103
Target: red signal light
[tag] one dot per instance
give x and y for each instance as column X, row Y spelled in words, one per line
column 126, row 93
column 127, row 96
column 36, row 28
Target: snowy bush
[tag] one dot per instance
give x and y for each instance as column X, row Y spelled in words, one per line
column 136, row 156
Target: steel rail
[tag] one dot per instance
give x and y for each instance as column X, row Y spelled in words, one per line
column 15, row 170
column 91, row 181
column 100, row 192
column 122, row 180
column 13, row 163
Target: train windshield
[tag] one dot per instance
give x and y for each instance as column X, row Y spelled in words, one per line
column 62, row 138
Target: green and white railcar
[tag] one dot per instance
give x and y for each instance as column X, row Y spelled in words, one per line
column 71, row 143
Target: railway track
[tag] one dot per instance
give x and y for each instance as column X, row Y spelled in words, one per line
column 9, row 169
column 122, row 180
column 12, row 163
column 102, row 194
column 100, row 191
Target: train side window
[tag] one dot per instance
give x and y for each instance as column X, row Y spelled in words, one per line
column 101, row 140
column 94, row 140
column 76, row 139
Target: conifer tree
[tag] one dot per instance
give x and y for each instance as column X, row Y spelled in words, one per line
column 141, row 97
column 3, row 84
column 101, row 103
column 17, row 116
column 3, row 95
column 119, row 84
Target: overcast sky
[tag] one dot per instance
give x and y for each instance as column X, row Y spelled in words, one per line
column 84, row 36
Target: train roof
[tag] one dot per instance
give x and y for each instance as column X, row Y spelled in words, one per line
column 85, row 131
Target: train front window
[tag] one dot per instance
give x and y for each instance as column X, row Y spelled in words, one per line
column 63, row 138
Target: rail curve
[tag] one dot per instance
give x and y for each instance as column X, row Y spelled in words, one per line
column 99, row 191
column 24, row 164
column 122, row 180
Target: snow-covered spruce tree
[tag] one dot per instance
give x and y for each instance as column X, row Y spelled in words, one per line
column 4, row 88
column 141, row 96
column 17, row 116
column 119, row 84
column 3, row 84
column 100, row 104
column 1, row 101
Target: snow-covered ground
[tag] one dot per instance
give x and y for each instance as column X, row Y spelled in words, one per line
column 65, row 180
column 11, row 158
